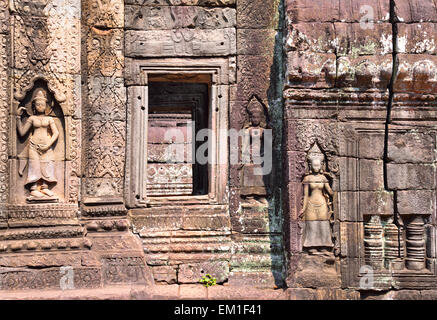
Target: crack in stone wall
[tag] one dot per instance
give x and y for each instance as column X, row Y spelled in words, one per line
column 393, row 21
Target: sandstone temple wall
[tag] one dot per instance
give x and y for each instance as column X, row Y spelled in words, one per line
column 347, row 89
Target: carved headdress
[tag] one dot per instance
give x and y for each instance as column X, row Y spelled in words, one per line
column 315, row 154
column 39, row 94
column 256, row 108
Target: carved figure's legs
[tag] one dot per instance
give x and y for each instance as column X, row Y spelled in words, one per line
column 35, row 192
column 46, row 191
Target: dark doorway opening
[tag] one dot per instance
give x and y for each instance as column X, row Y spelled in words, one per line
column 178, row 110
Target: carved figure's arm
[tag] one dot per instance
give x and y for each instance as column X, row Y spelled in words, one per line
column 55, row 133
column 306, row 192
column 328, row 189
column 23, row 129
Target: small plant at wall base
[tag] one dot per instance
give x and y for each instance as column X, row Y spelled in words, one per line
column 208, row 280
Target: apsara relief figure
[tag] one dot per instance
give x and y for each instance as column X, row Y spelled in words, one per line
column 254, row 136
column 253, row 152
column 317, row 206
column 43, row 135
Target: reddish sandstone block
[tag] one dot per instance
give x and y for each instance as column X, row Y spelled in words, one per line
column 308, row 10
column 416, row 11
column 418, row 38
column 352, row 39
column 192, row 292
column 416, row 73
column 312, row 36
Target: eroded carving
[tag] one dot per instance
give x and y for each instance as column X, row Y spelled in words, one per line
column 254, row 184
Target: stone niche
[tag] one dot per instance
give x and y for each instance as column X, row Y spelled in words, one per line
column 43, row 135
column 37, row 168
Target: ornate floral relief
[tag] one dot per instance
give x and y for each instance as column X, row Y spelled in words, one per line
column 107, row 142
column 4, row 16
column 3, row 119
column 105, row 13
column 105, row 52
column 103, row 187
column 65, row 46
column 107, row 98
column 31, row 42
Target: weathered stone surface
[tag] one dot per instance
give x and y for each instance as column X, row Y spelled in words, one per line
column 257, row 42
column 311, row 70
column 364, row 72
column 417, row 38
column 371, row 146
column 192, row 273
column 416, row 202
column 416, row 73
column 422, row 11
column 253, row 77
column 317, row 272
column 411, row 147
column 376, row 203
column 371, row 175
column 410, row 176
column 352, row 231
column 166, row 274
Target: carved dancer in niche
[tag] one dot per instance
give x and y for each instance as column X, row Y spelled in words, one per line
column 44, row 134
column 317, row 206
column 253, row 144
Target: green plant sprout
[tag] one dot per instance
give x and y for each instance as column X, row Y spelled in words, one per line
column 208, row 280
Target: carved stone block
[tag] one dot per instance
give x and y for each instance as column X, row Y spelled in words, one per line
column 192, row 273
column 182, row 42
column 371, row 175
column 104, row 13
column 411, row 147
column 105, row 52
column 421, row 202
column 376, row 203
column 251, row 82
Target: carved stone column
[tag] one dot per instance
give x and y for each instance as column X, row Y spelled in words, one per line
column 103, row 210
